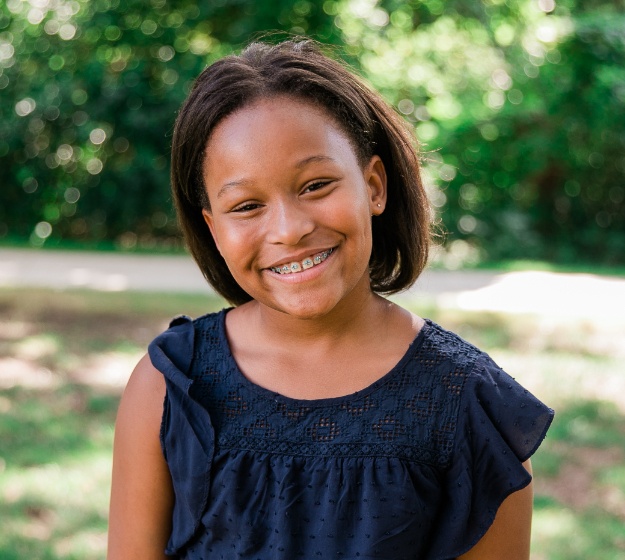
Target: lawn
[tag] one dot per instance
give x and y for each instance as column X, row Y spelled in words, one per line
column 65, row 356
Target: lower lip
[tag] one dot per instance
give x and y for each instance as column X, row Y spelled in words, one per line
column 304, row 276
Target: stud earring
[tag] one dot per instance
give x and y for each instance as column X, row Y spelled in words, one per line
column 379, row 205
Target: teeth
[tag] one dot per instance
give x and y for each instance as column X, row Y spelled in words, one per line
column 308, row 262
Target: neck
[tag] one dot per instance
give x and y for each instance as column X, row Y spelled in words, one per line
column 364, row 310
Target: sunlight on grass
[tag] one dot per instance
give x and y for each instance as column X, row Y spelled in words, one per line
column 562, row 534
column 613, row 477
column 37, row 347
column 553, row 522
column 56, row 510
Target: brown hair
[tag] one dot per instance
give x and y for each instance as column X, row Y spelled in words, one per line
column 401, row 234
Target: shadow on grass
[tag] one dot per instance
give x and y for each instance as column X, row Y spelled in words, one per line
column 39, row 426
column 55, row 472
column 50, row 532
column 91, row 321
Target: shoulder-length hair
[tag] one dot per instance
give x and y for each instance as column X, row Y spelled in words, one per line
column 299, row 68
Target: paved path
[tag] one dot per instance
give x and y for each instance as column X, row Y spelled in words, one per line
column 555, row 294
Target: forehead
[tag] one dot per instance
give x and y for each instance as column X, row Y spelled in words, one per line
column 280, row 129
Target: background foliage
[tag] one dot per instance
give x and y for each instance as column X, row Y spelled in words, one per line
column 519, row 106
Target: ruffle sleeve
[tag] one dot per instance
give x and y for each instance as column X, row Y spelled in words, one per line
column 187, row 436
column 500, row 425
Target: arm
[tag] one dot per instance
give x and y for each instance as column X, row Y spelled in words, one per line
column 141, row 495
column 509, row 535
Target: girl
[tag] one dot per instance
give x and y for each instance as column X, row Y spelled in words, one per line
column 314, row 419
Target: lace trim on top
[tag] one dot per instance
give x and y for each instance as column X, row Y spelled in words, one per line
column 414, row 418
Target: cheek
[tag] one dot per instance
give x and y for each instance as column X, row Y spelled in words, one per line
column 236, row 244
column 355, row 212
column 227, row 240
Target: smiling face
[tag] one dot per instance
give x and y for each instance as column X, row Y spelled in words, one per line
column 291, row 206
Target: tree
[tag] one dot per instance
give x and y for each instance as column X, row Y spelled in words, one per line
column 519, row 107
column 90, row 93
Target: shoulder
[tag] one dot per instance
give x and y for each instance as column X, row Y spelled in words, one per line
column 172, row 351
column 469, row 369
column 476, row 395
column 141, row 497
column 141, row 405
column 446, row 358
column 497, row 425
column 182, row 323
column 448, row 344
column 492, row 409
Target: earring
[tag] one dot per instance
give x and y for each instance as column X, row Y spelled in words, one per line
column 379, row 205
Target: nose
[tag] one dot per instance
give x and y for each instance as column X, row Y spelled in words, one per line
column 289, row 222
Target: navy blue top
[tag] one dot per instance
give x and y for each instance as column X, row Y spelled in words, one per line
column 414, row 466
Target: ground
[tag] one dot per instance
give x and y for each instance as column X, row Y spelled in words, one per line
column 65, row 356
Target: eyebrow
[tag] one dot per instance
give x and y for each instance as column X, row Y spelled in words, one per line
column 312, row 159
column 231, row 184
column 244, row 182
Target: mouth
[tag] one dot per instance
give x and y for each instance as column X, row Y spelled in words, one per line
column 299, row 266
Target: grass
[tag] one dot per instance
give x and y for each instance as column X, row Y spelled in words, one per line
column 64, row 358
column 156, row 246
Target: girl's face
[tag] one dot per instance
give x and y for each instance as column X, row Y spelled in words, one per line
column 287, row 193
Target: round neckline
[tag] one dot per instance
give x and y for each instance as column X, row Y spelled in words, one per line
column 313, row 403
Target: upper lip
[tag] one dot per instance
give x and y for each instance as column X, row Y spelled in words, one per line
column 298, row 257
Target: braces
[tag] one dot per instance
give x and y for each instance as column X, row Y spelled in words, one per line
column 308, row 262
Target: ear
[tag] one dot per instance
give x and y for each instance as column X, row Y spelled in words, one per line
column 208, row 218
column 375, row 177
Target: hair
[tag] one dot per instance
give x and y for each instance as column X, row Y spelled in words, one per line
column 298, row 68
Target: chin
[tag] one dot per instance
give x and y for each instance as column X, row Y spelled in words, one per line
column 304, row 307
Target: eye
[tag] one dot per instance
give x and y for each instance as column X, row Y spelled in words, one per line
column 246, row 207
column 317, row 185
